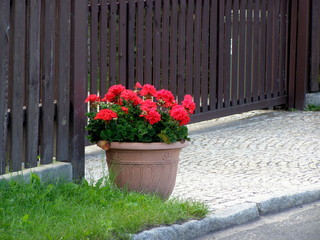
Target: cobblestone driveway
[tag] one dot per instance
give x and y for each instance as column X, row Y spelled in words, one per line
column 243, row 158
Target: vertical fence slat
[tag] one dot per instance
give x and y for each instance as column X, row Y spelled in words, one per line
column 148, row 43
column 113, row 43
column 173, row 47
column 262, row 50
column 242, row 57
column 282, row 47
column 48, row 83
column 140, row 42
column 205, row 51
column 227, row 52
column 131, row 42
column 292, row 53
column 269, row 49
column 287, row 48
column 249, row 52
column 122, row 52
column 94, row 47
column 213, row 54
column 275, row 50
column 156, row 44
column 4, row 71
column 18, row 78
column 182, row 51
column 78, row 85
column 103, row 47
column 235, row 55
column 165, row 45
column 303, row 39
column 221, row 46
column 189, row 47
column 197, row 55
column 33, row 84
column 315, row 45
column 256, row 63
column 63, row 80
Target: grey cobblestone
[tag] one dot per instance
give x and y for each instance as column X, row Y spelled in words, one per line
column 243, row 158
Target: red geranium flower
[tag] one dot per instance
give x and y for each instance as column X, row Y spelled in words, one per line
column 114, row 93
column 148, row 105
column 148, row 90
column 166, row 98
column 188, row 104
column 93, row 98
column 106, row 115
column 152, row 116
column 137, row 85
column 179, row 113
column 131, row 96
column 125, row 109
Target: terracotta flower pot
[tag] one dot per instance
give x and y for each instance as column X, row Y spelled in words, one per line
column 145, row 167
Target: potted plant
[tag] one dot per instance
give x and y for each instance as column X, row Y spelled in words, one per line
column 143, row 131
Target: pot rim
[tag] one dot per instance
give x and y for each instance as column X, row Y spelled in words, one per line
column 147, row 146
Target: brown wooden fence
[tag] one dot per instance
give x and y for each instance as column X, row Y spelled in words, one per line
column 314, row 85
column 231, row 55
column 41, row 91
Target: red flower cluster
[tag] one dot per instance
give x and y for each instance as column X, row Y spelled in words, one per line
column 152, row 116
column 127, row 99
column 137, row 85
column 179, row 113
column 165, row 98
column 148, row 105
column 93, row 98
column 148, row 91
column 106, row 115
column 125, row 109
column 131, row 96
column 149, row 111
column 188, row 104
column 113, row 93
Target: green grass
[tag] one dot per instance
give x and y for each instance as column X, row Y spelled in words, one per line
column 81, row 211
column 312, row 107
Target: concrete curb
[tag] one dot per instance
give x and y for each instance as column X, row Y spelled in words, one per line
column 47, row 173
column 312, row 98
column 282, row 202
column 230, row 217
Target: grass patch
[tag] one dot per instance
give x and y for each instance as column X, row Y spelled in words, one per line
column 63, row 210
column 312, row 107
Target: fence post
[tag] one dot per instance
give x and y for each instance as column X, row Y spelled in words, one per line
column 302, row 53
column 292, row 53
column 78, row 86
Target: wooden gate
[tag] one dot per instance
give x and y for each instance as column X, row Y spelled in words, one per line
column 231, row 55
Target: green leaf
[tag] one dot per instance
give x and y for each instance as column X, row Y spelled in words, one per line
column 25, row 218
column 35, row 179
column 99, row 182
column 163, row 137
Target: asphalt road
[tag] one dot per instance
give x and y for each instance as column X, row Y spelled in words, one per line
column 302, row 223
